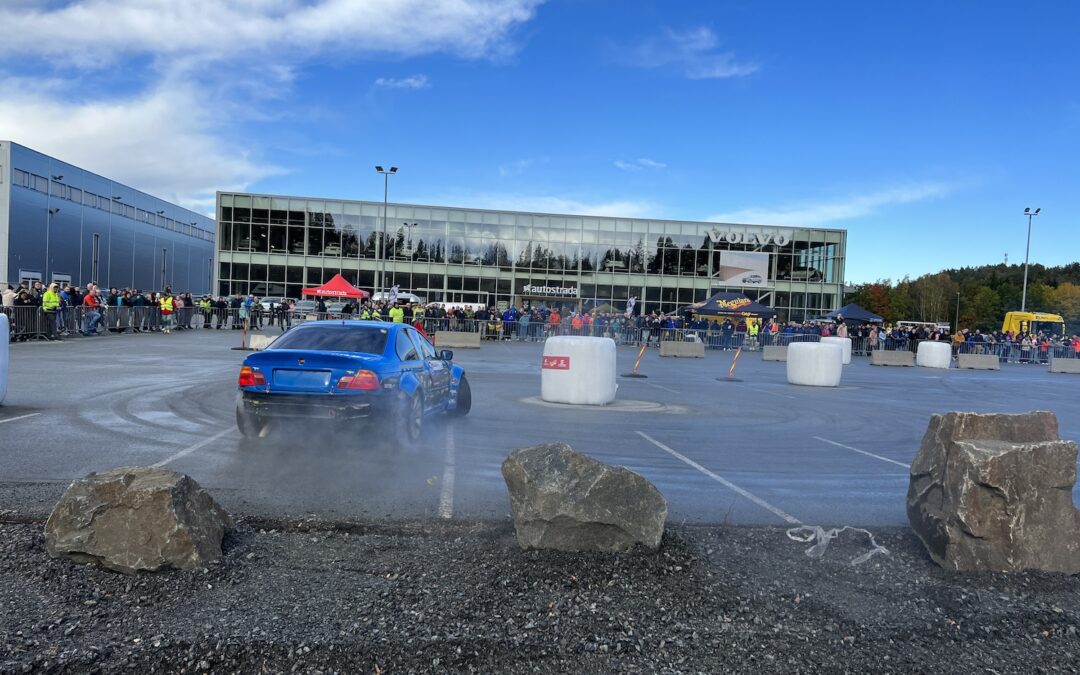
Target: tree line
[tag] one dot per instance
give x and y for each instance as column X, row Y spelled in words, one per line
column 981, row 294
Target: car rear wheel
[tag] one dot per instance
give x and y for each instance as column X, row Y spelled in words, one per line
column 411, row 418
column 249, row 426
column 464, row 399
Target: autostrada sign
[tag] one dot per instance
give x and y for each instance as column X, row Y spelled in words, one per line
column 561, row 291
column 751, row 238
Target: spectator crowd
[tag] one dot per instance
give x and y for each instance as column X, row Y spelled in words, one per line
column 53, row 313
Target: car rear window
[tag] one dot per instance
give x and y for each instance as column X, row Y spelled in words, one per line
column 362, row 339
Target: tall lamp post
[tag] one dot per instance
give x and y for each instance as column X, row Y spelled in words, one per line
column 380, row 247
column 1030, row 214
column 957, row 330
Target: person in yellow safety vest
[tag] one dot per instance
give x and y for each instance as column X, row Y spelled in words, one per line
column 753, row 327
column 397, row 314
column 166, row 304
column 205, row 307
column 365, row 312
column 50, row 304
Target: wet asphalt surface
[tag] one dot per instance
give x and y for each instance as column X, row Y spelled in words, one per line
column 766, row 453
column 353, row 555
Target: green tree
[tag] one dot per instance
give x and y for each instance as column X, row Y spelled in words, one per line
column 1065, row 300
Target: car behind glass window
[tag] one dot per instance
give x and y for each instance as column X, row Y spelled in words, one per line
column 425, row 347
column 365, row 340
column 406, row 350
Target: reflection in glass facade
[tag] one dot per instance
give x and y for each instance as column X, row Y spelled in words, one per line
column 59, row 222
column 270, row 245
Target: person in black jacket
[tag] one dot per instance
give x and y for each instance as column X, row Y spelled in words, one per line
column 234, row 312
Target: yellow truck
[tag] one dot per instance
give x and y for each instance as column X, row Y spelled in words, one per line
column 1034, row 323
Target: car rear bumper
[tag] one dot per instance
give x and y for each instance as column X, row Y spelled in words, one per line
column 267, row 406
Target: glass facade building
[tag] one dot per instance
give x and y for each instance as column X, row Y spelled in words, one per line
column 276, row 246
column 61, row 223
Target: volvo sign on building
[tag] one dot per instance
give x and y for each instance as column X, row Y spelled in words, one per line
column 276, row 245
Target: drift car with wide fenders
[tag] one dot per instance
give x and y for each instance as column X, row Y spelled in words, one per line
column 346, row 371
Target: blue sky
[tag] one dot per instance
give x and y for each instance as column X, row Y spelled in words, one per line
column 923, row 128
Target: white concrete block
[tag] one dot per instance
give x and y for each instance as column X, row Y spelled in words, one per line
column 885, row 357
column 260, row 342
column 685, row 349
column 845, row 344
column 5, row 338
column 979, row 362
column 774, row 353
column 933, row 354
column 1056, row 366
column 815, row 364
column 578, row 370
column 452, row 339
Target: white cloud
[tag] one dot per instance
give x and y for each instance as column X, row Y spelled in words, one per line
column 520, row 166
column 411, row 82
column 164, row 142
column 820, row 212
column 626, row 208
column 95, row 32
column 693, row 53
column 202, row 68
column 638, row 165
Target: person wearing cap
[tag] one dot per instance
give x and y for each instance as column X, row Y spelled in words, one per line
column 50, row 305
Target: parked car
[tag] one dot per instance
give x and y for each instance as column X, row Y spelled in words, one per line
column 246, row 245
column 356, row 370
column 752, row 279
column 306, row 306
column 273, row 300
column 298, row 247
column 332, row 249
column 336, row 308
column 808, row 274
column 402, row 296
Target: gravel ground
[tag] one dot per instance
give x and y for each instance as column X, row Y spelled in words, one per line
column 307, row 596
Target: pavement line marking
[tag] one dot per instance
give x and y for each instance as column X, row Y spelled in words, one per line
column 862, row 452
column 20, row 417
column 767, row 391
column 191, row 448
column 723, row 481
column 446, row 499
column 660, row 386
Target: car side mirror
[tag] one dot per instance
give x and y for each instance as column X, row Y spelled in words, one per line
column 446, row 355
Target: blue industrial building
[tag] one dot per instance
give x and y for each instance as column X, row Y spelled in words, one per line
column 61, row 223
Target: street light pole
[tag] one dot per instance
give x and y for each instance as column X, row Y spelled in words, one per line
column 957, row 329
column 1030, row 214
column 380, row 244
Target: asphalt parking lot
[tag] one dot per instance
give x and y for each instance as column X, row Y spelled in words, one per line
column 752, row 452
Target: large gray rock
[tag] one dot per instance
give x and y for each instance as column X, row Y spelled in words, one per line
column 133, row 519
column 564, row 500
column 994, row 493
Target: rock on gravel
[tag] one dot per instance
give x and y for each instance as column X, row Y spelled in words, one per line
column 135, row 519
column 994, row 493
column 461, row 597
column 567, row 501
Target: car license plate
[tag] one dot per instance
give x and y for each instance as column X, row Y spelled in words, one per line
column 301, row 378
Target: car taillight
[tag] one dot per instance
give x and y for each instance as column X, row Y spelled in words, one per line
column 364, row 379
column 250, row 377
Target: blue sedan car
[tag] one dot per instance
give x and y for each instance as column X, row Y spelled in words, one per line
column 351, row 370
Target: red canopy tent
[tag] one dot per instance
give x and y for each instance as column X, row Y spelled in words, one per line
column 337, row 288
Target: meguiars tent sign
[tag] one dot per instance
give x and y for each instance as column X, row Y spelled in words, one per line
column 752, row 238
column 562, row 291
